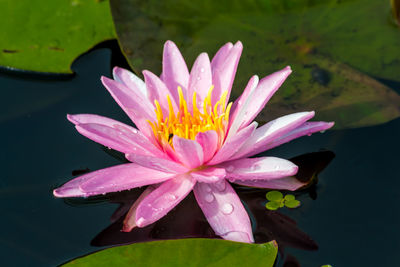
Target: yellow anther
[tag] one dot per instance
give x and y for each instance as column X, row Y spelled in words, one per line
column 187, row 124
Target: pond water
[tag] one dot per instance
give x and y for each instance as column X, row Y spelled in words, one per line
column 352, row 214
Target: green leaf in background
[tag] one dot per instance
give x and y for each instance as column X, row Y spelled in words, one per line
column 336, row 49
column 183, row 252
column 47, row 35
column 274, row 196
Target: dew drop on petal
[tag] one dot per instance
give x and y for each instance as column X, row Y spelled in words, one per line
column 202, row 70
column 227, row 208
column 221, row 185
column 207, row 188
column 209, row 198
column 255, row 167
column 230, row 168
column 276, row 167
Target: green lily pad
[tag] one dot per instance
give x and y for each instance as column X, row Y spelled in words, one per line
column 274, row 196
column 183, row 252
column 273, row 205
column 291, row 204
column 336, row 49
column 47, row 35
column 289, row 197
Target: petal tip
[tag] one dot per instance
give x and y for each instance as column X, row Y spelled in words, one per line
column 72, row 119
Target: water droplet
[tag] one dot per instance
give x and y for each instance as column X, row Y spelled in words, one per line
column 202, row 70
column 227, row 208
column 209, row 198
column 230, row 168
column 221, row 185
column 170, row 197
column 276, row 167
column 135, row 131
column 255, row 167
column 207, row 188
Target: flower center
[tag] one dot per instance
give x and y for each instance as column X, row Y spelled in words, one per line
column 188, row 124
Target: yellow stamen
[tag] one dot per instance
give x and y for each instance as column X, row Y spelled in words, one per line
column 187, row 124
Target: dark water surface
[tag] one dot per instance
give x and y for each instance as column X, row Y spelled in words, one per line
column 354, row 218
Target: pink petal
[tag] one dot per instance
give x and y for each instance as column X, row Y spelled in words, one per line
column 306, row 129
column 263, row 168
column 159, row 91
column 130, row 80
column 264, row 91
column 163, row 199
column 221, row 55
column 107, row 136
column 200, row 79
column 224, row 211
column 135, row 105
column 285, row 183
column 209, row 175
column 232, row 145
column 114, row 134
column 189, row 152
column 175, row 72
column 130, row 218
column 271, row 131
column 224, row 72
column 113, row 179
column 242, row 103
column 160, row 164
column 209, row 142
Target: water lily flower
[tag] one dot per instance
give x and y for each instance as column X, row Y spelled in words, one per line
column 190, row 138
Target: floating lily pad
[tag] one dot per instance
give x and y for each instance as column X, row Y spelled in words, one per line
column 272, row 205
column 47, row 35
column 336, row 49
column 183, row 252
column 291, row 204
column 274, row 196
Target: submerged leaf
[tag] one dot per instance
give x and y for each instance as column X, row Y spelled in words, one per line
column 334, row 55
column 184, row 252
column 46, row 35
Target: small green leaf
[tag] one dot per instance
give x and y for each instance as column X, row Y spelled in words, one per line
column 291, row 204
column 289, row 197
column 274, row 196
column 326, row 265
column 183, row 252
column 272, row 205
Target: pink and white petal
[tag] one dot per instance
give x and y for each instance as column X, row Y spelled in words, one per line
column 220, row 56
column 200, row 79
column 106, row 136
column 160, row 164
column 233, row 144
column 224, row 211
column 130, row 218
column 163, row 199
column 93, row 118
column 114, row 134
column 271, row 131
column 159, row 91
column 241, row 100
column 123, row 177
column 113, row 179
column 209, row 175
column 209, row 142
column 307, row 128
column 262, row 94
column 224, row 74
column 135, row 105
column 189, row 152
column 285, row 183
column 130, row 80
column 174, row 70
column 263, row 168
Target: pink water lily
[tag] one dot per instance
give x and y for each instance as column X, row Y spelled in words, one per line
column 189, row 137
